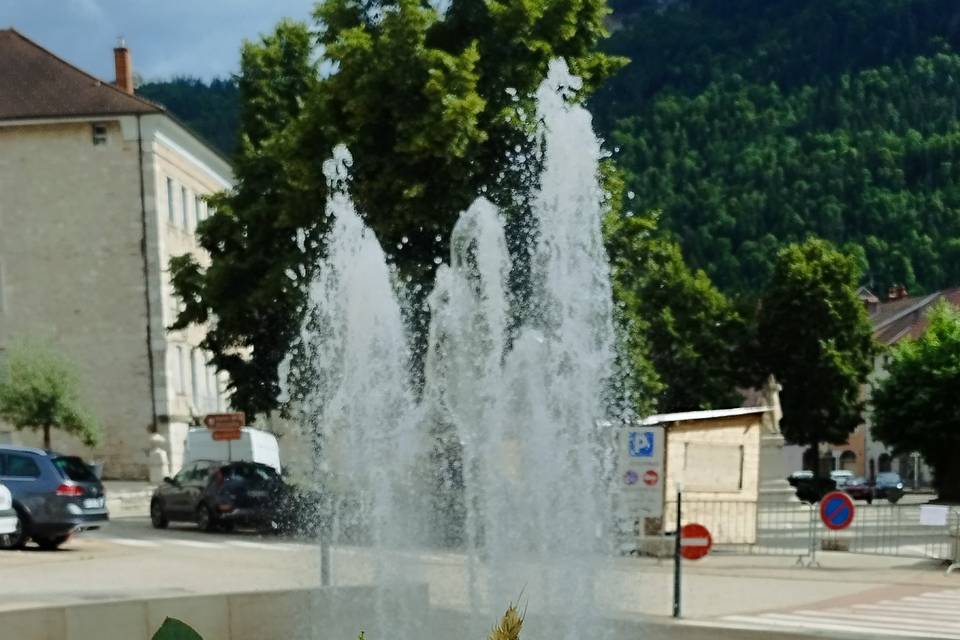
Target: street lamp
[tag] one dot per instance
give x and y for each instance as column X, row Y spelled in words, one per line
column 916, row 469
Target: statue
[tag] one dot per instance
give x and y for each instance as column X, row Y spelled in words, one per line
column 158, row 462
column 773, row 472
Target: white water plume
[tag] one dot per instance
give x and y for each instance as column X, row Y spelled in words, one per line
column 506, row 426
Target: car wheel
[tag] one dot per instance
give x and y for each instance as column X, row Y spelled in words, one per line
column 157, row 516
column 893, row 499
column 52, row 543
column 205, row 520
column 18, row 538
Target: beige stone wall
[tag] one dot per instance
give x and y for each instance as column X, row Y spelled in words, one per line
column 73, row 272
column 718, row 464
column 188, row 387
column 85, row 266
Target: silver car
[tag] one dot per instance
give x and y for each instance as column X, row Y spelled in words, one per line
column 9, row 523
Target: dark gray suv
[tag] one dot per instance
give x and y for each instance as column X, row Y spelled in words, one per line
column 54, row 496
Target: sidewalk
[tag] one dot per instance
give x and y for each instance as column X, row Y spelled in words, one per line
column 128, row 498
column 849, row 595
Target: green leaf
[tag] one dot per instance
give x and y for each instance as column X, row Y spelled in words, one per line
column 173, row 629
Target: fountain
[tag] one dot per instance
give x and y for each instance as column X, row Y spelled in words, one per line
column 505, row 426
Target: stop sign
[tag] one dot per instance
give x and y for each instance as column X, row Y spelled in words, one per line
column 695, row 541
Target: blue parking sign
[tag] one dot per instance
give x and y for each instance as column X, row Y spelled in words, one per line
column 640, row 444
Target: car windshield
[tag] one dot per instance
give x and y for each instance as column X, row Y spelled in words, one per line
column 857, row 480
column 73, row 468
column 888, row 478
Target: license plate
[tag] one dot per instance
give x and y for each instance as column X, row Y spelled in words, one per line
column 93, row 503
column 257, row 494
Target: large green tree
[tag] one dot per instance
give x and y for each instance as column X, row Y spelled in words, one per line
column 245, row 295
column 40, row 390
column 429, row 103
column 676, row 322
column 916, row 407
column 814, row 336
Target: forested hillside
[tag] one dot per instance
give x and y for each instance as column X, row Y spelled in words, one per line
column 209, row 108
column 753, row 123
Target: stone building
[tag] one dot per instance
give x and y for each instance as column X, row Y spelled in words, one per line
column 98, row 190
column 894, row 319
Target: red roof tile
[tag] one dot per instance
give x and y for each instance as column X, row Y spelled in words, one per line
column 35, row 83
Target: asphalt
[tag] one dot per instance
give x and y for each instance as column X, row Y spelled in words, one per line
column 848, row 594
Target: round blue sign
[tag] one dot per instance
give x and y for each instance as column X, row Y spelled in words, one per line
column 837, row 510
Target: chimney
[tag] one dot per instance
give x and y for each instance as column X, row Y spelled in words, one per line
column 124, row 67
column 897, row 292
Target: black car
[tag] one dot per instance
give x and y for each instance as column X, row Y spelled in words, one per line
column 220, row 495
column 809, row 488
column 54, row 496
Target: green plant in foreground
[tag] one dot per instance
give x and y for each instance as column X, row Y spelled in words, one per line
column 509, row 627
column 173, row 629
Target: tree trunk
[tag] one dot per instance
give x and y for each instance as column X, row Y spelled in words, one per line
column 46, row 436
column 815, row 458
column 946, row 479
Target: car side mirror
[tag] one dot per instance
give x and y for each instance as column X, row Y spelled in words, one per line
column 170, row 481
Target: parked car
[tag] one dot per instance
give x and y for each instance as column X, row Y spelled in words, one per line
column 810, row 489
column 842, row 477
column 220, row 495
column 54, row 496
column 859, row 489
column 889, row 486
column 9, row 523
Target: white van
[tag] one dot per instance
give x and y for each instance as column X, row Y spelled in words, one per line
column 254, row 445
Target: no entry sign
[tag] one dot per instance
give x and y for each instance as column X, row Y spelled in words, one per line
column 837, row 510
column 695, row 541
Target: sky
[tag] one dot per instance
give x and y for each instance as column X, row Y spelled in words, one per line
column 166, row 38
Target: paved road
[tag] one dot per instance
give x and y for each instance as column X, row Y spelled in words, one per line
column 132, row 560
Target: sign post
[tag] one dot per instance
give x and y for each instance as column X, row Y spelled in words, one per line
column 226, row 427
column 677, row 564
column 693, row 542
column 640, row 470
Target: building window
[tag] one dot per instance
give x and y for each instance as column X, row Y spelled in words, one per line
column 195, row 369
column 185, row 201
column 170, row 208
column 848, row 461
column 99, row 133
column 198, row 207
column 181, row 369
column 221, row 394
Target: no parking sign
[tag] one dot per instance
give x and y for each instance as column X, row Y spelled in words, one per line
column 837, row 510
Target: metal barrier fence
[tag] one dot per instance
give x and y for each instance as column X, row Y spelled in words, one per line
column 795, row 529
